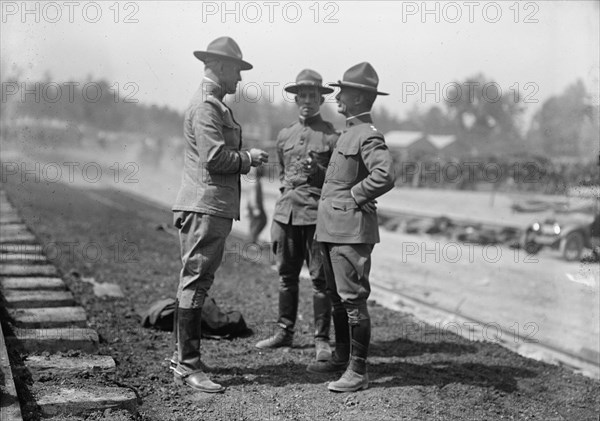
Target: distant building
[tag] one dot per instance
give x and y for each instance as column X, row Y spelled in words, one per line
column 407, row 143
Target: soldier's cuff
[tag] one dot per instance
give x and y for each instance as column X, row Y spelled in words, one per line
column 245, row 161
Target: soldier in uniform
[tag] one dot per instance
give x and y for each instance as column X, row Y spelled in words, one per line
column 303, row 151
column 361, row 169
column 208, row 200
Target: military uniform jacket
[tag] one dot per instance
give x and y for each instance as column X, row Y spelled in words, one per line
column 300, row 194
column 360, row 170
column 213, row 161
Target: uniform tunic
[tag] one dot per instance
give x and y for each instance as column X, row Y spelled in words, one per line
column 209, row 197
column 300, row 194
column 360, row 170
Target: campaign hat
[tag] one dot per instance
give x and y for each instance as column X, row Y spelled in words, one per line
column 223, row 48
column 360, row 76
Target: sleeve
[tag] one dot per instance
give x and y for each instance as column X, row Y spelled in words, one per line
column 379, row 163
column 280, row 160
column 208, row 131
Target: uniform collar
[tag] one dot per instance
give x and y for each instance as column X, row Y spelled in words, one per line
column 310, row 120
column 359, row 119
column 210, row 87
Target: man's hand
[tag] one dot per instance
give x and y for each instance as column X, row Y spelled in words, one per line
column 258, row 157
column 310, row 165
column 369, row 207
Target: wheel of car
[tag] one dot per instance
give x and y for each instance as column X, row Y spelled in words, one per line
column 571, row 246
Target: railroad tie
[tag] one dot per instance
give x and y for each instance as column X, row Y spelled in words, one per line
column 45, row 319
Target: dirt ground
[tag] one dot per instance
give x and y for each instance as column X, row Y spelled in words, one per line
column 416, row 372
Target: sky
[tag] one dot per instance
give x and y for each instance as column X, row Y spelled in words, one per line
column 415, row 47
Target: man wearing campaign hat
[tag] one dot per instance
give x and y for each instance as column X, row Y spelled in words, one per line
column 208, row 200
column 361, row 169
column 303, row 149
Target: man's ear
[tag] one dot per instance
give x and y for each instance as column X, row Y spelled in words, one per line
column 359, row 99
column 322, row 100
column 296, row 99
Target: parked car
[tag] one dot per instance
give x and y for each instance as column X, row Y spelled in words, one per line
column 568, row 234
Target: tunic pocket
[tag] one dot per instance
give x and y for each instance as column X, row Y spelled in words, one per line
column 345, row 162
column 344, row 219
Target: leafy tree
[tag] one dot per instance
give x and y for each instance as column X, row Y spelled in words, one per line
column 479, row 109
column 566, row 125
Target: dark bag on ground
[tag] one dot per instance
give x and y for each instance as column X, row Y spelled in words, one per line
column 216, row 324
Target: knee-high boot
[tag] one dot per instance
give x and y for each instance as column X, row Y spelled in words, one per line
column 189, row 367
column 339, row 360
column 355, row 377
column 322, row 314
column 322, row 317
column 342, row 333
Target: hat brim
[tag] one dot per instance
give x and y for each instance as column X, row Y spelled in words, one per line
column 293, row 89
column 359, row 86
column 204, row 55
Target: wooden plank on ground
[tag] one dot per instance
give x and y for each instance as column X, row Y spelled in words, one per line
column 22, row 258
column 57, row 365
column 33, row 318
column 81, row 401
column 32, row 283
column 37, row 299
column 17, row 238
column 22, row 248
column 55, row 340
column 11, row 269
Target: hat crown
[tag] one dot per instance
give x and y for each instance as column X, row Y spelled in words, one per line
column 309, row 77
column 362, row 74
column 225, row 46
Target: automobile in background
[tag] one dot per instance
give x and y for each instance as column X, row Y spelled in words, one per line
column 568, row 234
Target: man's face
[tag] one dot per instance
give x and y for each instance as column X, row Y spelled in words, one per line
column 230, row 76
column 308, row 100
column 346, row 99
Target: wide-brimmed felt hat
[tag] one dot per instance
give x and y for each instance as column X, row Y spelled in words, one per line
column 223, row 48
column 308, row 77
column 360, row 76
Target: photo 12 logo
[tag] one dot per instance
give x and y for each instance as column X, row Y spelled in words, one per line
column 69, row 11
column 70, row 172
column 469, row 11
column 469, row 92
column 270, row 12
column 71, row 92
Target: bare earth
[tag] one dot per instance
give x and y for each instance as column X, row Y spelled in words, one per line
column 416, row 371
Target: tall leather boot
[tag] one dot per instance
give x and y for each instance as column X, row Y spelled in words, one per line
column 322, row 315
column 339, row 359
column 355, row 377
column 288, row 309
column 189, row 367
